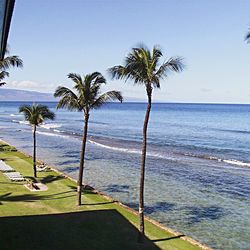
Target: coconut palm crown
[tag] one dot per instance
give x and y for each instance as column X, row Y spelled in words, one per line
column 36, row 114
column 143, row 67
column 6, row 63
column 84, row 97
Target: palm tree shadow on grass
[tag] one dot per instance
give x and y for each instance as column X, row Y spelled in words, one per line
column 51, row 178
column 8, row 197
column 90, row 192
column 99, row 229
column 170, row 238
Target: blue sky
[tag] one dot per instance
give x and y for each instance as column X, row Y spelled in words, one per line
column 57, row 37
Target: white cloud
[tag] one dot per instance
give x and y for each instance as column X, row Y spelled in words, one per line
column 31, row 85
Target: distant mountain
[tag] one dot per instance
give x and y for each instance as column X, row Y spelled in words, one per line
column 34, row 96
column 24, row 95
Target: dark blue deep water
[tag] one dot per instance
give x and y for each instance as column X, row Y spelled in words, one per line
column 197, row 170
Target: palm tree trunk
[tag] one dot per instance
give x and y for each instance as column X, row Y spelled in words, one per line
column 143, row 161
column 34, row 150
column 80, row 177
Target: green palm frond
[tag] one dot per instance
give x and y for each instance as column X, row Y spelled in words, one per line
column 106, row 97
column 86, row 94
column 11, row 61
column 247, row 37
column 75, row 78
column 69, row 99
column 27, row 111
column 173, row 64
column 142, row 67
column 36, row 114
column 3, row 74
column 6, row 63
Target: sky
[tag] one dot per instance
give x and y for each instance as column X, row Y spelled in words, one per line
column 58, row 37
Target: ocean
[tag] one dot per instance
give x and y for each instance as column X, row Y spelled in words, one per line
column 197, row 168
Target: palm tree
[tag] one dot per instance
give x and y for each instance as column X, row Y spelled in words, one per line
column 247, row 36
column 6, row 63
column 142, row 66
column 85, row 97
column 36, row 115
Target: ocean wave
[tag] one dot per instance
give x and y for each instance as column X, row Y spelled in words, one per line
column 21, row 122
column 238, row 163
column 13, row 115
column 52, row 134
column 214, row 158
column 131, row 151
column 50, row 125
column 58, row 131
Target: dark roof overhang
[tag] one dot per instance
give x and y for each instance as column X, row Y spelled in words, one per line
column 6, row 10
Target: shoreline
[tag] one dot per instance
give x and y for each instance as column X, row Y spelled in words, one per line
column 109, row 198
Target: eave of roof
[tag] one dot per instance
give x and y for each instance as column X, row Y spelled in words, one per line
column 7, row 15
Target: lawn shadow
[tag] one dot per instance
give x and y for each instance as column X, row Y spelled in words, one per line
column 2, row 197
column 7, row 148
column 98, row 203
column 35, row 197
column 170, row 238
column 51, row 178
column 99, row 230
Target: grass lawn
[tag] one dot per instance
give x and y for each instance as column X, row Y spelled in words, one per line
column 51, row 220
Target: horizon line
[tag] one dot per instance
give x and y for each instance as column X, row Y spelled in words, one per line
column 143, row 102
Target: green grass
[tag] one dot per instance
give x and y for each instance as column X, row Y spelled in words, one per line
column 51, row 219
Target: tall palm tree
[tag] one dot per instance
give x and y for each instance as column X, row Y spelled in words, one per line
column 247, row 36
column 85, row 97
column 6, row 63
column 143, row 67
column 36, row 114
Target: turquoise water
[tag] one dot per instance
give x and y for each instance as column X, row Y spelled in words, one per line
column 198, row 164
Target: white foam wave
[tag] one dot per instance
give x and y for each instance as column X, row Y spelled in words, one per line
column 13, row 115
column 50, row 125
column 57, row 130
column 231, row 161
column 130, row 151
column 238, row 163
column 115, row 148
column 24, row 122
column 21, row 122
column 52, row 134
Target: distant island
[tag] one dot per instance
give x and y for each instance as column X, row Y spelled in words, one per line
column 19, row 95
column 24, row 95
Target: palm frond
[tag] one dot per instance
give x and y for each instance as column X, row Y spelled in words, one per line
column 36, row 114
column 76, row 78
column 117, row 72
column 26, row 110
column 174, row 64
column 87, row 94
column 247, row 37
column 106, row 97
column 9, row 61
column 69, row 99
column 45, row 113
column 142, row 67
column 3, row 74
